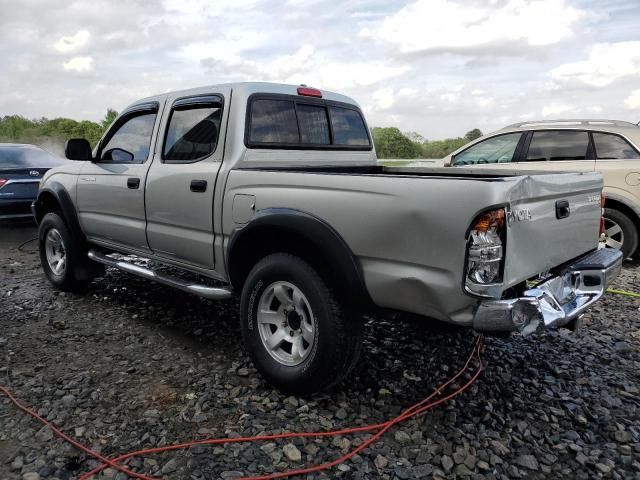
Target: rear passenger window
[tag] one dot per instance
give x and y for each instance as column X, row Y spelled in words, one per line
column 192, row 132
column 558, row 145
column 348, row 127
column 273, row 121
column 314, row 125
column 609, row 146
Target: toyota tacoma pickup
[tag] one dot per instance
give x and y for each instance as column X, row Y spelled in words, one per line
column 272, row 193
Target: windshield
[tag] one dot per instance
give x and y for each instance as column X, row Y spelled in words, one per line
column 27, row 156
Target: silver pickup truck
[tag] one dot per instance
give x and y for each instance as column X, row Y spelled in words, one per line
column 273, row 193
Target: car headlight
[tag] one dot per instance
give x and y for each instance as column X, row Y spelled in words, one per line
column 485, row 249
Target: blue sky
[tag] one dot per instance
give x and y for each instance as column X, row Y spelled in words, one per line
column 437, row 67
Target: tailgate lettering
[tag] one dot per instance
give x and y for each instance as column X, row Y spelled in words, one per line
column 518, row 215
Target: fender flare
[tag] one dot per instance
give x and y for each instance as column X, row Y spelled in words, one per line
column 324, row 238
column 63, row 198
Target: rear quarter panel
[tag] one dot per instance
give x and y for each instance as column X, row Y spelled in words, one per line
column 408, row 233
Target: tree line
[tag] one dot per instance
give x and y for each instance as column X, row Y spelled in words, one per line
column 52, row 133
column 390, row 142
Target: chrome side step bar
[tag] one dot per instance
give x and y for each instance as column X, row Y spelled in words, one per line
column 212, row 293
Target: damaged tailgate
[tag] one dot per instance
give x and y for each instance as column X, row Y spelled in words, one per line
column 551, row 219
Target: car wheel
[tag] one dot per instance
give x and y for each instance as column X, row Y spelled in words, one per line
column 58, row 254
column 300, row 336
column 620, row 232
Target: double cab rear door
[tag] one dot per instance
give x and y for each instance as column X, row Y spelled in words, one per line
column 150, row 187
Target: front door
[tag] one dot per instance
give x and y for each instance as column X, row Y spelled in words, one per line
column 110, row 194
column 182, row 178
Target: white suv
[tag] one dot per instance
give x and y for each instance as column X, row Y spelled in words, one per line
column 608, row 146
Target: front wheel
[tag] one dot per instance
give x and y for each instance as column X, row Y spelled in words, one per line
column 620, row 232
column 58, row 254
column 300, row 336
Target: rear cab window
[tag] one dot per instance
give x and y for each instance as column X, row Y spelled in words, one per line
column 299, row 122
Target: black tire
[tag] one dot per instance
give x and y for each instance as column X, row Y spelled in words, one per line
column 628, row 229
column 338, row 337
column 66, row 280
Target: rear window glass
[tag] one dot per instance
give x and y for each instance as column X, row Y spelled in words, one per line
column 558, row 145
column 610, row 147
column 299, row 123
column 314, row 125
column 348, row 127
column 273, row 121
column 27, row 156
column 192, row 133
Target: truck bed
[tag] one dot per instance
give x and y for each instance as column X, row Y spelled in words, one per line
column 435, row 172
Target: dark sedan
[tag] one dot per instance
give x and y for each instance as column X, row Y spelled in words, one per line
column 21, row 168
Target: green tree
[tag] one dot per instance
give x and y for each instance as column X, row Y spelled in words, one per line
column 109, row 118
column 52, row 134
column 415, row 137
column 473, row 134
column 391, row 143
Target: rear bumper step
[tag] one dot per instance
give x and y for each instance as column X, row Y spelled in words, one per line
column 555, row 302
column 206, row 291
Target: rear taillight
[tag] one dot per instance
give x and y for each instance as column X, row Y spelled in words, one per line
column 2, row 182
column 485, row 249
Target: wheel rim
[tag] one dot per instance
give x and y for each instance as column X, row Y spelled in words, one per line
column 286, row 323
column 55, row 252
column 613, row 234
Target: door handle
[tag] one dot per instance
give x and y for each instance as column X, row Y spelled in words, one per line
column 133, row 182
column 198, row 185
column 563, row 210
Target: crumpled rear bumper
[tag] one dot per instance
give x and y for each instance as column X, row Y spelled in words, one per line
column 554, row 302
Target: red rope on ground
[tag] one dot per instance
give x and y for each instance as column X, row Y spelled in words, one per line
column 70, row 440
column 381, row 428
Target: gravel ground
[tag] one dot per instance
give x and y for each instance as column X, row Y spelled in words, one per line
column 132, row 365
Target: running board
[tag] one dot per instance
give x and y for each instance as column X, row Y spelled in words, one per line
column 212, row 293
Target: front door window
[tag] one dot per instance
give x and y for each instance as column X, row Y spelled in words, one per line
column 498, row 149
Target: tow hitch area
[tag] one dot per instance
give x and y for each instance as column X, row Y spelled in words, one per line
column 557, row 301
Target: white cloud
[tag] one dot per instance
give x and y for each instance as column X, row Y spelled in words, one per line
column 556, row 109
column 607, row 62
column 455, row 25
column 308, row 66
column 632, row 102
column 69, row 44
column 79, row 64
column 383, row 98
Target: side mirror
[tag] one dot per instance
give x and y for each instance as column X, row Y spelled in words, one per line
column 448, row 161
column 77, row 149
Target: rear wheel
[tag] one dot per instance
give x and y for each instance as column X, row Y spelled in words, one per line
column 620, row 232
column 300, row 336
column 59, row 255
